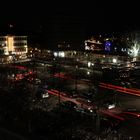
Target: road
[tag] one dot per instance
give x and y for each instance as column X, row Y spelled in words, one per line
column 128, row 101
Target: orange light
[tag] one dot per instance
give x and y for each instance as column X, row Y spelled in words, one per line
column 10, row 44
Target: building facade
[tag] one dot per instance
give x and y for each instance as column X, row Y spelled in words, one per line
column 13, row 45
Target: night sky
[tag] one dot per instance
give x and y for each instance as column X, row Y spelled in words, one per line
column 69, row 20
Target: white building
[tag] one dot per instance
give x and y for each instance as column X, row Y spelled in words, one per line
column 16, row 45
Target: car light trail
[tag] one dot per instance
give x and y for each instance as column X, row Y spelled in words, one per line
column 111, row 114
column 120, row 89
column 57, row 93
column 132, row 113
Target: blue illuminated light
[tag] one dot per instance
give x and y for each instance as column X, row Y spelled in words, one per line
column 108, row 46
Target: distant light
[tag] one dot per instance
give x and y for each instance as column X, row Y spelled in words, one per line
column 88, row 73
column 46, row 95
column 55, row 54
column 87, row 48
column 74, row 52
column 134, row 50
column 91, row 110
column 111, row 106
column 107, row 46
column 85, row 43
column 114, row 60
column 61, row 54
column 89, row 64
column 11, row 25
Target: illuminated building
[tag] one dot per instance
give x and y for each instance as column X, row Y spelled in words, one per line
column 13, row 45
column 94, row 45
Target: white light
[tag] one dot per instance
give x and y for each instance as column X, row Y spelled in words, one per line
column 114, row 60
column 91, row 110
column 89, row 64
column 74, row 52
column 87, row 48
column 61, row 54
column 88, row 73
column 46, row 95
column 55, row 54
column 111, row 106
column 134, row 49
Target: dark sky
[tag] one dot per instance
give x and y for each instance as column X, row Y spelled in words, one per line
column 69, row 19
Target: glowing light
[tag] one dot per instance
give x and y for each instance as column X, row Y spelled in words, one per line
column 88, row 73
column 87, row 48
column 61, row 54
column 121, row 89
column 55, row 54
column 46, row 95
column 114, row 60
column 89, row 64
column 10, row 44
column 111, row 106
column 107, row 46
column 134, row 50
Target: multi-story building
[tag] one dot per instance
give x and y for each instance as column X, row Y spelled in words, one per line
column 94, row 45
column 13, row 45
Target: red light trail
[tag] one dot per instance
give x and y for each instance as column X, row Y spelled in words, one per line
column 102, row 111
column 135, row 92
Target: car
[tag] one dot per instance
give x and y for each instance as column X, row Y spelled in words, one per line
column 45, row 95
column 109, row 104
